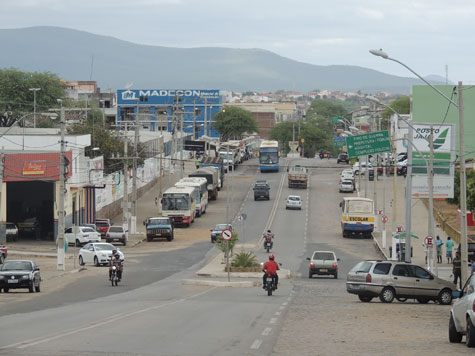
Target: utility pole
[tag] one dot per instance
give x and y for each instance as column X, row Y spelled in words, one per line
column 161, row 157
column 34, row 90
column 408, row 198
column 133, row 220
column 60, row 238
column 206, row 124
column 125, row 199
column 182, row 141
column 431, row 228
column 3, row 236
column 463, row 189
column 227, row 191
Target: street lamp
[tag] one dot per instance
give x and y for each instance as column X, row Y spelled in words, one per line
column 34, row 90
column 463, row 187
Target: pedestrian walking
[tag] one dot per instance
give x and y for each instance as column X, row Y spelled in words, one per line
column 439, row 244
column 197, row 163
column 449, row 245
column 457, row 269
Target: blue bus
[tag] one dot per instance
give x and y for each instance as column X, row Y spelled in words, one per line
column 269, row 156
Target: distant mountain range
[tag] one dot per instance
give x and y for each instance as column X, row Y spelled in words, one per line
column 71, row 54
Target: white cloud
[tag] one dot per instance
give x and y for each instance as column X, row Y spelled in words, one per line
column 370, row 14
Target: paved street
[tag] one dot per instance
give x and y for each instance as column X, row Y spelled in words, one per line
column 153, row 312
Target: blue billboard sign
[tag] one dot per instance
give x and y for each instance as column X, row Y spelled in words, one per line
column 198, row 107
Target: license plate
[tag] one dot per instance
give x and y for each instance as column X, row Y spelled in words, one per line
column 116, row 239
column 159, row 234
column 323, row 270
column 13, row 281
column 353, row 286
column 269, row 279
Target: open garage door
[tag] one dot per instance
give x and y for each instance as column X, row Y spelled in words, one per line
column 31, row 206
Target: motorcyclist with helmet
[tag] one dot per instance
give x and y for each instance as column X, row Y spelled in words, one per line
column 268, row 237
column 270, row 267
column 117, row 262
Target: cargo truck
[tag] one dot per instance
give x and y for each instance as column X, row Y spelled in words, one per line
column 218, row 163
column 298, row 177
column 211, row 175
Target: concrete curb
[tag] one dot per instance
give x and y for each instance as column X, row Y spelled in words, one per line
column 213, row 283
column 283, row 274
column 379, row 248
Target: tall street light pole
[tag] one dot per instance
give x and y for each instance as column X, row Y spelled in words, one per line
column 34, row 90
column 463, row 192
column 60, row 238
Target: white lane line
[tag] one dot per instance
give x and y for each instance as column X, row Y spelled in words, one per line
column 266, row 332
column 95, row 324
column 285, row 303
column 256, row 344
column 281, row 307
column 277, row 313
column 273, row 321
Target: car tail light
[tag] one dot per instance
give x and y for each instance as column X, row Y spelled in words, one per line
column 372, row 225
column 312, row 265
column 335, row 266
column 108, row 236
column 123, row 236
column 86, row 235
column 345, row 224
column 368, row 278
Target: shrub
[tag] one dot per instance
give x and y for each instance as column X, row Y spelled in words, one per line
column 245, row 259
column 221, row 244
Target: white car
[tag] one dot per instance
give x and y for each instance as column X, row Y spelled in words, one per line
column 347, row 174
column 346, row 185
column 293, row 202
column 462, row 315
column 97, row 253
column 81, row 236
column 361, row 167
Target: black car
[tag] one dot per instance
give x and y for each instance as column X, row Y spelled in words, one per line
column 261, row 190
column 343, row 157
column 16, row 274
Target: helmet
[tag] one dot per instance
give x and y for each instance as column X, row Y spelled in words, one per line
column 269, row 231
column 114, row 252
column 271, row 257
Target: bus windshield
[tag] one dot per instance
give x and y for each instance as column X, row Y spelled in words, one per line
column 360, row 206
column 176, row 201
column 269, row 157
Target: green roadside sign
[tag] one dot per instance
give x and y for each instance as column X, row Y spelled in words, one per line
column 339, row 143
column 368, row 144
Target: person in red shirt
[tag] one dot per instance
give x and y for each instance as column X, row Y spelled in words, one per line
column 270, row 267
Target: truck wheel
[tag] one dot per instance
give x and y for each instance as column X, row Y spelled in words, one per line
column 169, row 238
column 149, row 238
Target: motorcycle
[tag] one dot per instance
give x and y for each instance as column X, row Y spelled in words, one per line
column 268, row 243
column 270, row 284
column 114, row 276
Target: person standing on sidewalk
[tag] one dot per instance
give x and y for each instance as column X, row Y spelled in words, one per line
column 439, row 245
column 449, row 245
column 197, row 163
column 457, row 269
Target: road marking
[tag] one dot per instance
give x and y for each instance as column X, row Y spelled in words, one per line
column 93, row 325
column 281, row 307
column 256, row 344
column 285, row 303
column 266, row 332
column 273, row 321
column 277, row 313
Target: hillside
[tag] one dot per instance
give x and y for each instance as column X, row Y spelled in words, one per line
column 69, row 53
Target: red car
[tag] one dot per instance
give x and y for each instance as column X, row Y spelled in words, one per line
column 102, row 225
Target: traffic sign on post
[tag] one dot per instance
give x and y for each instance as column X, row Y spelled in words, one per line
column 384, row 219
column 428, row 241
column 227, row 234
column 368, row 144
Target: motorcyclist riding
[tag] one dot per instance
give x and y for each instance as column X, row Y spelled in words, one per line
column 117, row 262
column 268, row 237
column 270, row 267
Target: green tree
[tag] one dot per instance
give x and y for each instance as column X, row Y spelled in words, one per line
column 16, row 100
column 108, row 144
column 314, row 138
column 470, row 190
column 232, row 122
column 401, row 105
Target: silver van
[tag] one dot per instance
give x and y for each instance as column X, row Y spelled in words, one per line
column 392, row 279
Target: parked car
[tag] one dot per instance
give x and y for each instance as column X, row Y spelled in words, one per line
column 392, row 279
column 361, row 167
column 347, row 185
column 402, row 168
column 343, row 157
column 80, row 235
column 323, row 263
column 11, row 231
column 102, row 225
column 293, row 202
column 161, row 226
column 117, row 234
column 218, row 229
column 16, row 274
column 462, row 314
column 3, row 253
column 347, row 174
column 97, row 253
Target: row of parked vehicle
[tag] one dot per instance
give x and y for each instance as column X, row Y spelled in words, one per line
column 102, row 229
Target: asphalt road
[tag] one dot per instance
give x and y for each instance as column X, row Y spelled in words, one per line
column 152, row 313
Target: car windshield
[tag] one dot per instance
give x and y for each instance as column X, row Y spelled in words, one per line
column 17, row 266
column 116, row 229
column 362, row 267
column 104, row 247
column 294, row 198
column 159, row 222
column 323, row 256
column 348, row 182
column 88, row 229
column 220, row 227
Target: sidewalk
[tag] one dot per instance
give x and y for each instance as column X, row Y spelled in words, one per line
column 419, row 221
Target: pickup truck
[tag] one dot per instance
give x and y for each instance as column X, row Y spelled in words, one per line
column 261, row 190
column 159, row 227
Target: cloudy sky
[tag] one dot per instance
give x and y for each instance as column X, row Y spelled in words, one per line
column 427, row 35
